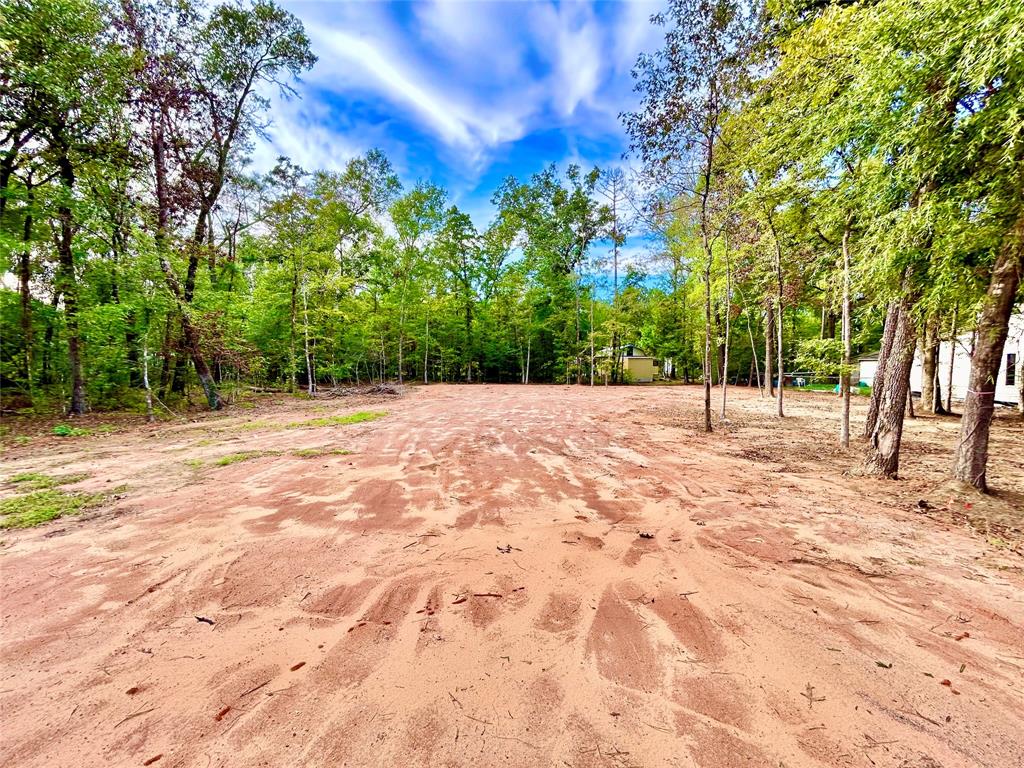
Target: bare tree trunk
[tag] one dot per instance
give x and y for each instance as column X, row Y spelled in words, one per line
column 24, row 283
column 69, row 288
column 969, row 465
column 310, row 369
column 591, row 336
column 844, row 384
column 883, row 457
column 291, row 325
column 145, row 382
column 878, row 383
column 929, row 366
column 728, row 314
column 778, row 352
column 753, row 353
column 952, row 359
column 707, row 341
column 526, row 373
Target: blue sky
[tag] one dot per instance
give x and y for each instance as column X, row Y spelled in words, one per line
column 463, row 93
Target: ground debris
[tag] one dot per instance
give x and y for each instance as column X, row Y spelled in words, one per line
column 391, row 390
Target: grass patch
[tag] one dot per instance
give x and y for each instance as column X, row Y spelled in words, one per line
column 312, row 453
column 36, row 481
column 66, row 430
column 234, row 458
column 332, row 421
column 41, row 506
column 258, row 425
column 194, row 463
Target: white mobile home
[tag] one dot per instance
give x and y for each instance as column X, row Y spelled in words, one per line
column 958, row 353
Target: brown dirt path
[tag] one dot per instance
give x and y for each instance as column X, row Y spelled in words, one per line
column 470, row 588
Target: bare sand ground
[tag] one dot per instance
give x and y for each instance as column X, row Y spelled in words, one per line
column 516, row 576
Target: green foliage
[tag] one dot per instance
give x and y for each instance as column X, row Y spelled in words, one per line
column 821, row 357
column 66, row 430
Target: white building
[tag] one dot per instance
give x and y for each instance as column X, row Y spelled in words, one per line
column 1008, row 381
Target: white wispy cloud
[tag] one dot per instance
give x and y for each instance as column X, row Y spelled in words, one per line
column 447, row 88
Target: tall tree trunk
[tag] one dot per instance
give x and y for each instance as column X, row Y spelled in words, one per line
column 183, row 298
column 753, row 353
column 969, row 465
column 778, row 354
column 69, row 287
column 883, row 456
column 929, row 365
column 844, row 382
column 310, row 363
column 779, row 307
column 728, row 315
column 150, row 417
column 707, row 341
column 24, row 284
column 469, row 343
column 952, row 359
column 878, row 383
column 591, row 336
column 292, row 336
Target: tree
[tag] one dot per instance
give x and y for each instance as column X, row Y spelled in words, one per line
column 63, row 79
column 199, row 97
column 687, row 88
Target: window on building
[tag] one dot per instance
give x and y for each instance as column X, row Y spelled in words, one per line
column 1011, row 368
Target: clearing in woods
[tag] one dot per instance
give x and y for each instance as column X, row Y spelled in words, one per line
column 514, row 576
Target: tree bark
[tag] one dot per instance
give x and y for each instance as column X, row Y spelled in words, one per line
column 728, row 314
column 952, row 359
column 779, row 321
column 883, row 457
column 878, row 383
column 929, row 366
column 707, row 340
column 969, row 465
column 844, row 383
column 24, row 283
column 68, row 286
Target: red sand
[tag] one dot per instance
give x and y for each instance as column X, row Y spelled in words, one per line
column 469, row 588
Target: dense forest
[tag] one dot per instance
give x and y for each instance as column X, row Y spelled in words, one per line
column 813, row 179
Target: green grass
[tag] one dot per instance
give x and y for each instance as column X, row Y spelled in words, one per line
column 332, row 421
column 234, row 458
column 258, row 425
column 194, row 463
column 66, row 430
column 36, row 481
column 40, row 506
column 312, row 453
column 321, row 421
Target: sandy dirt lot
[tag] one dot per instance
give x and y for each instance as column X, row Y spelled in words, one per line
column 515, row 576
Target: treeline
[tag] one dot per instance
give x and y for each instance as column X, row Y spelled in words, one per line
column 809, row 174
column 146, row 255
